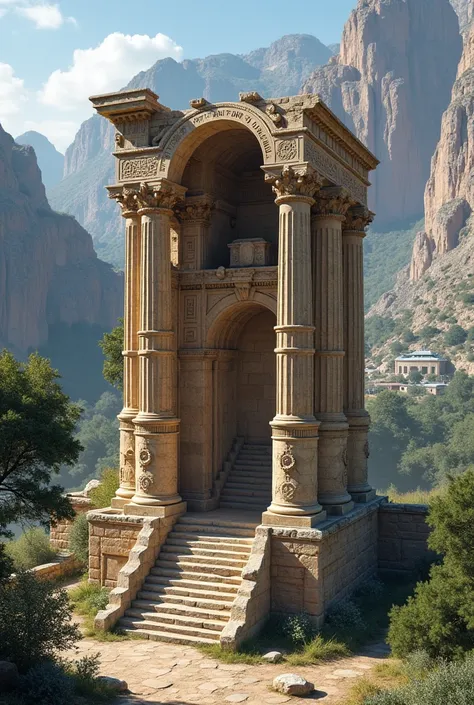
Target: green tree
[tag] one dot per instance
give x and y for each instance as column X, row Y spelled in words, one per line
column 37, row 423
column 112, row 347
column 415, row 376
column 456, row 335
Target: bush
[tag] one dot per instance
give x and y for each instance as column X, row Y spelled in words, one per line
column 396, row 348
column 456, row 335
column 468, row 299
column 47, row 684
column 298, row 628
column 346, row 618
column 30, row 550
column 87, row 599
column 35, row 621
column 102, row 495
column 439, row 618
column 79, row 538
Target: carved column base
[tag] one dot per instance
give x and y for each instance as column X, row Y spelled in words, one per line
column 357, row 456
column 156, row 451
column 127, row 458
column 332, row 465
column 294, row 475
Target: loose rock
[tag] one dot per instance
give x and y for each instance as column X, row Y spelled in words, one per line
column 292, row 684
column 115, row 683
column 272, row 656
column 8, row 676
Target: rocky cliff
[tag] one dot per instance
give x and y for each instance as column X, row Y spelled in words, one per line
column 50, row 161
column 49, row 272
column 465, row 11
column 449, row 193
column 276, row 70
column 390, row 84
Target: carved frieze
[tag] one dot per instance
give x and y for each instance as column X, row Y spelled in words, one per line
column 294, row 182
column 197, row 211
column 163, row 195
column 335, row 172
column 135, row 168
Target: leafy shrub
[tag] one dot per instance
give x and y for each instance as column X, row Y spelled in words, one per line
column 298, row 628
column 79, row 538
column 439, row 618
column 456, row 335
column 428, row 332
column 470, row 357
column 346, row 617
column 47, row 684
column 87, row 599
column 87, row 667
column 468, row 299
column 35, row 621
column 30, row 550
column 396, row 348
column 102, row 495
column 408, row 336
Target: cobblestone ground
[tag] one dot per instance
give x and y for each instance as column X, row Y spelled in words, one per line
column 169, row 673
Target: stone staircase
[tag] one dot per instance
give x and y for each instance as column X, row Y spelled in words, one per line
column 188, row 595
column 249, row 483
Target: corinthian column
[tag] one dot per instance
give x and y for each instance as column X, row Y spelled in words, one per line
column 195, row 216
column 331, row 206
column 353, row 233
column 156, row 424
column 294, row 428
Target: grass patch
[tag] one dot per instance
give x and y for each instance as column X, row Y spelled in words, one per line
column 317, row 650
column 247, row 654
column 388, row 675
column 418, row 496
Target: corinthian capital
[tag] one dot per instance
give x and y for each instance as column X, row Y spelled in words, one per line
column 291, row 183
column 196, row 209
column 333, row 200
column 357, row 219
column 125, row 197
column 164, row 195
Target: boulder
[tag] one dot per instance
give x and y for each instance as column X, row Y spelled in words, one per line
column 115, row 683
column 91, row 485
column 272, row 656
column 8, row 676
column 292, row 684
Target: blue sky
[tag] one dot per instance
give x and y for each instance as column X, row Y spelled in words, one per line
column 53, row 55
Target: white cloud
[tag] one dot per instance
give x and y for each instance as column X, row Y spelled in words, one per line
column 105, row 68
column 43, row 15
column 12, row 92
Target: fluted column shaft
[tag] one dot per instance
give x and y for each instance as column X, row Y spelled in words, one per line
column 156, row 424
column 195, row 218
column 294, row 428
column 130, row 354
column 329, row 355
column 354, row 361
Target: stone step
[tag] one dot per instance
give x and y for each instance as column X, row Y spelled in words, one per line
column 256, row 450
column 244, row 491
column 244, row 479
column 197, row 530
column 200, row 548
column 243, row 506
column 208, row 543
column 167, row 636
column 258, row 465
column 191, row 579
column 170, row 628
column 211, row 609
column 247, row 499
column 187, row 535
column 176, row 591
column 174, row 620
column 204, row 561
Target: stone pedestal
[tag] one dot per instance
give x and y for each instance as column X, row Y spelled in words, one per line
column 353, row 234
column 294, row 428
column 331, row 206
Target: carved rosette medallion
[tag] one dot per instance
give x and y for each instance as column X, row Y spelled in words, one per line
column 289, row 486
column 145, row 481
column 145, row 457
column 287, row 459
column 293, row 182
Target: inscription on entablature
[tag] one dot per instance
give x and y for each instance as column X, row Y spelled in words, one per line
column 245, row 117
column 138, row 168
column 333, row 171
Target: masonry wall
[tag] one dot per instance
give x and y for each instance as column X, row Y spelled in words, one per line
column 403, row 537
column 110, row 541
column 59, row 534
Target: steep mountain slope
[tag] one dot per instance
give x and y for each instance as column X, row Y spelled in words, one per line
column 438, row 287
column 49, row 272
column 277, row 70
column 390, row 84
column 50, row 161
column 465, row 11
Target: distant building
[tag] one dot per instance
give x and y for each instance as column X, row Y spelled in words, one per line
column 436, row 388
column 424, row 361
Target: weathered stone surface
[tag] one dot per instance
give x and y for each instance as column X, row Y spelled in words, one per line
column 292, row 684
column 49, row 272
column 465, row 11
column 115, row 683
column 8, row 676
column 390, row 84
column 273, row 656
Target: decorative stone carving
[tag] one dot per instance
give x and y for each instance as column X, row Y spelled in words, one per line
column 145, row 481
column 157, row 196
column 287, row 150
column 145, row 457
column 221, row 273
column 138, row 168
column 119, row 140
column 274, row 115
column 333, row 171
column 201, row 210
column 198, row 103
column 367, row 449
column 251, row 252
column 250, row 97
column 126, row 198
column 289, row 487
column 287, row 459
column 127, row 469
column 357, row 219
column 292, row 182
column 333, row 201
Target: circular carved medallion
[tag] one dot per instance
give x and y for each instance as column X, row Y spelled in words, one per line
column 287, row 459
column 288, row 490
column 145, row 482
column 145, row 456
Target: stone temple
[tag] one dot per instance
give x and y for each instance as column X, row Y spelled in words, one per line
column 243, row 436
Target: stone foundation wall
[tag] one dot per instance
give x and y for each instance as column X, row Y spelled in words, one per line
column 60, row 568
column 111, row 538
column 59, row 534
column 403, row 537
column 312, row 568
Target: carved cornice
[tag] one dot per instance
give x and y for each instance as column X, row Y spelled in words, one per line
column 357, row 219
column 333, row 200
column 294, row 183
